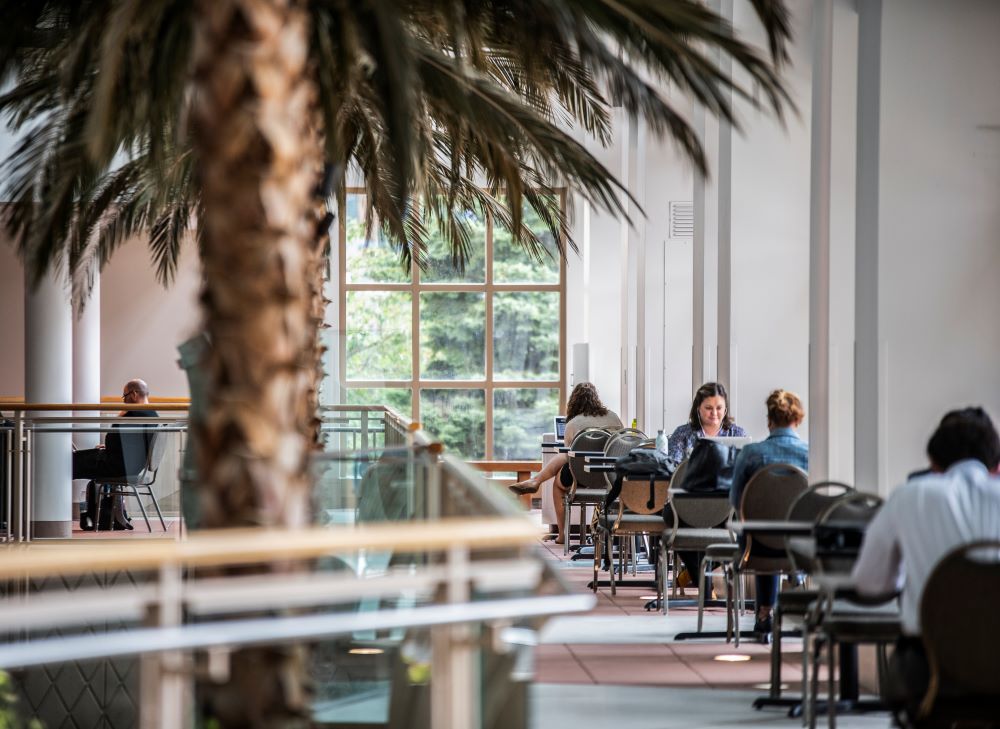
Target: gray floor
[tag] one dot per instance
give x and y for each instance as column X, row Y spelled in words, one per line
column 572, row 706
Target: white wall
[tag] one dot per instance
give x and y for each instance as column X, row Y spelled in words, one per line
column 142, row 323
column 939, row 223
column 770, row 237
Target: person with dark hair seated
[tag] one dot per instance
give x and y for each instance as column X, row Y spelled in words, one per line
column 923, row 520
column 709, row 418
column 583, row 410
column 783, row 445
column 121, row 455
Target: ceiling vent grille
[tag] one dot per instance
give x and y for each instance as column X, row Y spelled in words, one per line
column 681, row 220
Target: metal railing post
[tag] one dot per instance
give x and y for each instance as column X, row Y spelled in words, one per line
column 17, row 479
column 454, row 674
column 164, row 694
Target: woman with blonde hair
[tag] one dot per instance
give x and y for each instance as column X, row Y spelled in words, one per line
column 583, row 410
column 783, row 445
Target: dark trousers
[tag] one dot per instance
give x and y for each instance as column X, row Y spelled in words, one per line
column 94, row 463
column 908, row 676
column 689, row 558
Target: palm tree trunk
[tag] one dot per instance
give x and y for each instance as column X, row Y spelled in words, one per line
column 257, row 158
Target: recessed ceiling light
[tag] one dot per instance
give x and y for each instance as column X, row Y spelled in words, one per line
column 732, row 657
column 366, row 651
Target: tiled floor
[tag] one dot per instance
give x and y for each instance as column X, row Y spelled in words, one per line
column 621, row 663
column 138, row 531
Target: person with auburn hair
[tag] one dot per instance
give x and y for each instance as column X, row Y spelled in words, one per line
column 583, row 410
column 782, row 445
column 709, row 417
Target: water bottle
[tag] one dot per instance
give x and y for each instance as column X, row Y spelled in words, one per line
column 661, row 441
column 635, row 424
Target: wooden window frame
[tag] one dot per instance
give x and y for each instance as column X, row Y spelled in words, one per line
column 489, row 288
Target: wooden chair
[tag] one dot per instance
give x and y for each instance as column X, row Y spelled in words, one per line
column 639, row 513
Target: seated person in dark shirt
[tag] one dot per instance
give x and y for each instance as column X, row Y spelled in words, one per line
column 123, row 454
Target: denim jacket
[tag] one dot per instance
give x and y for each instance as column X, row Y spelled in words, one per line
column 783, row 445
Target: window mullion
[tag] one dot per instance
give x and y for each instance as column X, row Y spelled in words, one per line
column 489, row 339
column 415, row 340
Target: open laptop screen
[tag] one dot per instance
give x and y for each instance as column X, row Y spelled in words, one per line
column 735, row 441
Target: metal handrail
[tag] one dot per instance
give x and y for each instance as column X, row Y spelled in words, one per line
column 247, row 546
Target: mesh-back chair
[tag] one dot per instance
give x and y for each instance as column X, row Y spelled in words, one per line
column 809, row 506
column 845, row 621
column 140, row 483
column 961, row 639
column 795, row 604
column 587, row 488
column 768, row 496
column 619, row 444
column 701, row 516
column 858, row 507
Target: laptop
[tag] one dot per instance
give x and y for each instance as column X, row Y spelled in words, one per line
column 560, row 427
column 732, row 441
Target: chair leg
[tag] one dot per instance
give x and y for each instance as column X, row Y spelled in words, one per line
column 99, row 489
column 611, row 555
column 156, row 506
column 730, row 605
column 831, row 697
column 776, row 654
column 804, row 691
column 567, row 510
column 135, row 493
column 664, row 576
column 817, row 646
column 598, row 543
column 737, row 614
column 705, row 567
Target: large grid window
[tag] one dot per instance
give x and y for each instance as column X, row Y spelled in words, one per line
column 476, row 356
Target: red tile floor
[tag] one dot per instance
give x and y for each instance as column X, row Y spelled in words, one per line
column 619, row 642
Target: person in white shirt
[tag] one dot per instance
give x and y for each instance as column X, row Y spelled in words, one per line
column 923, row 520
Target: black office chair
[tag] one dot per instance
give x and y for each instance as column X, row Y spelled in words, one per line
column 141, row 483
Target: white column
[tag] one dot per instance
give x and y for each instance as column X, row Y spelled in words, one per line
column 48, row 368
column 87, row 369
column 632, row 276
column 869, row 359
column 637, row 184
column 726, row 356
column 705, row 251
column 819, row 243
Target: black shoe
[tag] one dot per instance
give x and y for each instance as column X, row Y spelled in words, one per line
column 86, row 523
column 118, row 525
column 763, row 629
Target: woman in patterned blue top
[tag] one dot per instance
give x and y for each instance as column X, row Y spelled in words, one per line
column 709, row 417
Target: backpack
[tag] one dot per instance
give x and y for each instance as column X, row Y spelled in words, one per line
column 710, row 467
column 637, row 465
